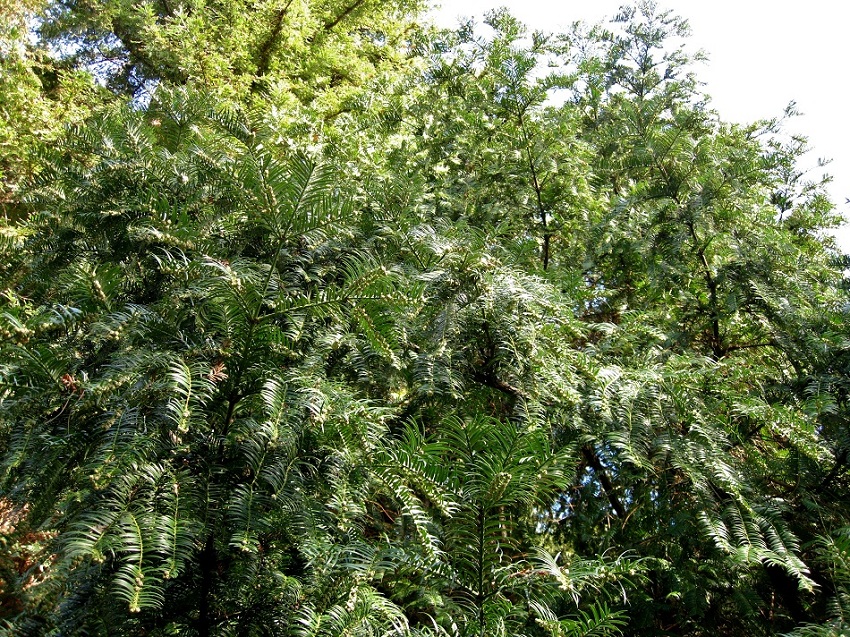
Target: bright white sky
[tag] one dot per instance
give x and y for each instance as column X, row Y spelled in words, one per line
column 762, row 55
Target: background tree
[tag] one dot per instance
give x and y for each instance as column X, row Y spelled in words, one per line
column 683, row 400
column 38, row 97
column 320, row 53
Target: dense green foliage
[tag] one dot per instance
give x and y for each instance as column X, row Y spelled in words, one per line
column 318, row 323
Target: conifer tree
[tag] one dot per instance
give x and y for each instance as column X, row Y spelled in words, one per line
column 342, row 330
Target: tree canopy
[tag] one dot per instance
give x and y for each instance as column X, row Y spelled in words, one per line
column 318, row 321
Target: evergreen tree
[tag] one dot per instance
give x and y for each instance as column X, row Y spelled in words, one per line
column 490, row 350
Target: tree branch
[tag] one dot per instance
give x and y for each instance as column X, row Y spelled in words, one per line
column 593, row 460
column 716, row 340
column 490, row 380
column 538, row 191
column 264, row 52
column 840, row 463
column 770, row 343
column 329, row 26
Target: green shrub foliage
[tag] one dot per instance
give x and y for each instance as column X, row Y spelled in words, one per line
column 412, row 333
